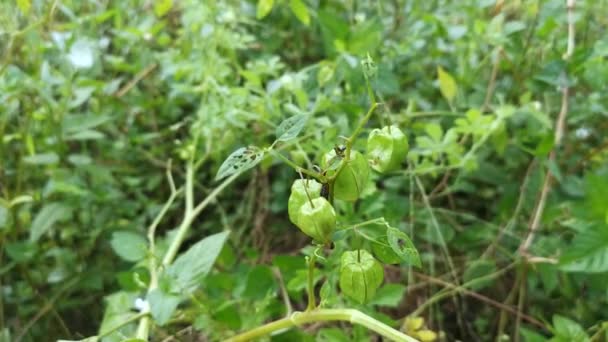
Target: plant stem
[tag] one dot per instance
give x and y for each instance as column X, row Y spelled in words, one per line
column 122, row 324
column 298, row 168
column 312, row 302
column 325, row 315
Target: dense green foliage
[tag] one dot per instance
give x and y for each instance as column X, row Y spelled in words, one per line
column 123, row 118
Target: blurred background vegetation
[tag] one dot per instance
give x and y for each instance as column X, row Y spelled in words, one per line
column 97, row 96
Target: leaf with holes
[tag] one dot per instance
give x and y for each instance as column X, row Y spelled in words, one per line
column 239, row 161
column 291, row 127
column 403, row 246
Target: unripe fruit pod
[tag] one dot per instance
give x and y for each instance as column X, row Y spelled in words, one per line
column 317, row 219
column 387, row 149
column 360, row 275
column 351, row 180
column 298, row 196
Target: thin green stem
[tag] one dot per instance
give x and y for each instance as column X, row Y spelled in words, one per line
column 122, row 324
column 298, row 168
column 325, row 315
column 312, row 302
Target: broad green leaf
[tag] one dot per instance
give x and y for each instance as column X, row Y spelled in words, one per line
column 264, row 7
column 568, row 330
column 21, row 251
column 162, row 7
column 447, row 85
column 42, row 159
column 118, row 310
column 403, row 246
column 239, row 161
column 588, row 252
column 389, row 295
column 300, row 11
column 162, row 305
column 47, row 217
column 192, row 266
column 291, row 127
column 129, row 246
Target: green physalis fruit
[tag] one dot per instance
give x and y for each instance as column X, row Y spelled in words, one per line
column 360, row 275
column 317, row 219
column 387, row 148
column 351, row 180
column 298, row 196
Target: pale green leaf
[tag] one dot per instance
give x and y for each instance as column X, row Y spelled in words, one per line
column 129, row 246
column 162, row 305
column 300, row 11
column 162, row 7
column 46, row 218
column 42, row 159
column 193, row 265
column 291, row 127
column 24, row 6
column 239, row 161
column 447, row 84
column 264, row 7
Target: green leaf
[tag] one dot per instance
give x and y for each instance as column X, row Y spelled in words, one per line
column 162, row 305
column 118, row 310
column 24, row 6
column 264, row 7
column 447, row 85
column 291, row 127
column 129, row 246
column 588, row 252
column 403, row 246
column 42, row 159
column 568, row 330
column 300, row 11
column 162, row 7
column 47, row 217
column 389, row 295
column 192, row 266
column 239, row 161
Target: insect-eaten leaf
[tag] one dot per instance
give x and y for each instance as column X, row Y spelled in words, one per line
column 402, row 245
column 291, row 127
column 239, row 161
column 447, row 85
